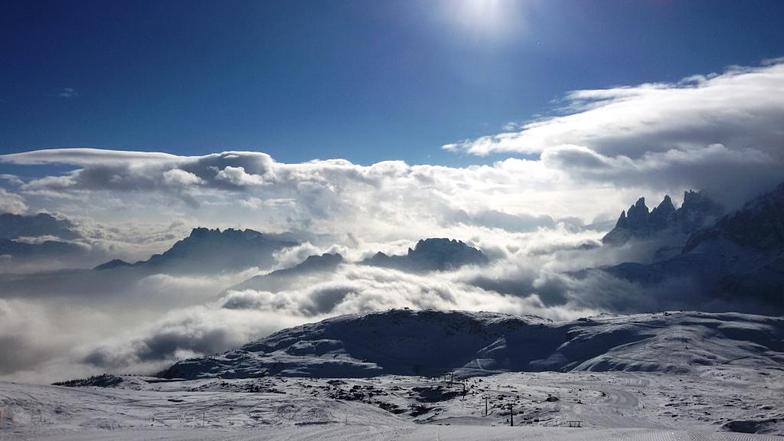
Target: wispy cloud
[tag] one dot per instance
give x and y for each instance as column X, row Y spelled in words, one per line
column 68, row 93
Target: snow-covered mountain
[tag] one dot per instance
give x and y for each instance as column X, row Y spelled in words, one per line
column 738, row 262
column 435, row 254
column 429, row 342
column 665, row 224
column 211, row 251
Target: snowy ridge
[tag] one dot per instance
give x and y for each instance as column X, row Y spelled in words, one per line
column 407, row 342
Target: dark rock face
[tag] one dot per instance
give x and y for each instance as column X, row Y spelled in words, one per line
column 211, row 251
column 115, row 263
column 661, row 215
column 758, row 225
column 637, row 222
column 431, row 255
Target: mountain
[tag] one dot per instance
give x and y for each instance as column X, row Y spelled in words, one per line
column 408, row 342
column 431, row 255
column 738, row 261
column 210, row 251
column 665, row 222
column 13, row 226
column 280, row 279
column 112, row 264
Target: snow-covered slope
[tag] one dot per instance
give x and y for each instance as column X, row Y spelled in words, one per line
column 609, row 406
column 411, row 342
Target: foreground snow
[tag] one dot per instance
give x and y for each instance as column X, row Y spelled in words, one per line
column 618, row 405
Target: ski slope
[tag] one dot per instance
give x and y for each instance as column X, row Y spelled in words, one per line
column 610, row 405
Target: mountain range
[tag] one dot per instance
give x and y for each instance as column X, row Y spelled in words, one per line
column 666, row 226
column 210, row 251
column 737, row 262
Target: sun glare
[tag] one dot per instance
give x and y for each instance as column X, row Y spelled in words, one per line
column 487, row 19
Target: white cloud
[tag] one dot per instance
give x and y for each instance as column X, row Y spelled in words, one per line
column 179, row 177
column 393, row 200
column 737, row 108
column 687, row 133
column 68, row 93
column 11, row 202
column 237, row 176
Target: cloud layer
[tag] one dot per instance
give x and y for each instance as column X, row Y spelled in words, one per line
column 702, row 131
column 538, row 219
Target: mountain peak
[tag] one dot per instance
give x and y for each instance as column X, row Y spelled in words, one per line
column 433, row 254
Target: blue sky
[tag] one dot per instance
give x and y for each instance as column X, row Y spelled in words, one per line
column 360, row 80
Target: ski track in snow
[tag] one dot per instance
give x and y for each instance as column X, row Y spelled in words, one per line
column 611, row 406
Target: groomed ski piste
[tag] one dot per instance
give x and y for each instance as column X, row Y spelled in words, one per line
column 606, row 406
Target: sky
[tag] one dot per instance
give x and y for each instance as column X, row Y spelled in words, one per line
column 357, row 80
column 523, row 128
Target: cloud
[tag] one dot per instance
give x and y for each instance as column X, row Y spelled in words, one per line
column 240, row 316
column 141, row 326
column 196, row 331
column 692, row 131
column 11, row 203
column 177, row 177
column 532, row 216
column 395, row 200
column 68, row 93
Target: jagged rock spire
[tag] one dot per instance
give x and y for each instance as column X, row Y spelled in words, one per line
column 640, row 223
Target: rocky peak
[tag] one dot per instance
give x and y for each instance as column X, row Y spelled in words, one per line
column 432, row 254
column 622, row 220
column 637, row 215
column 663, row 213
column 639, row 223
